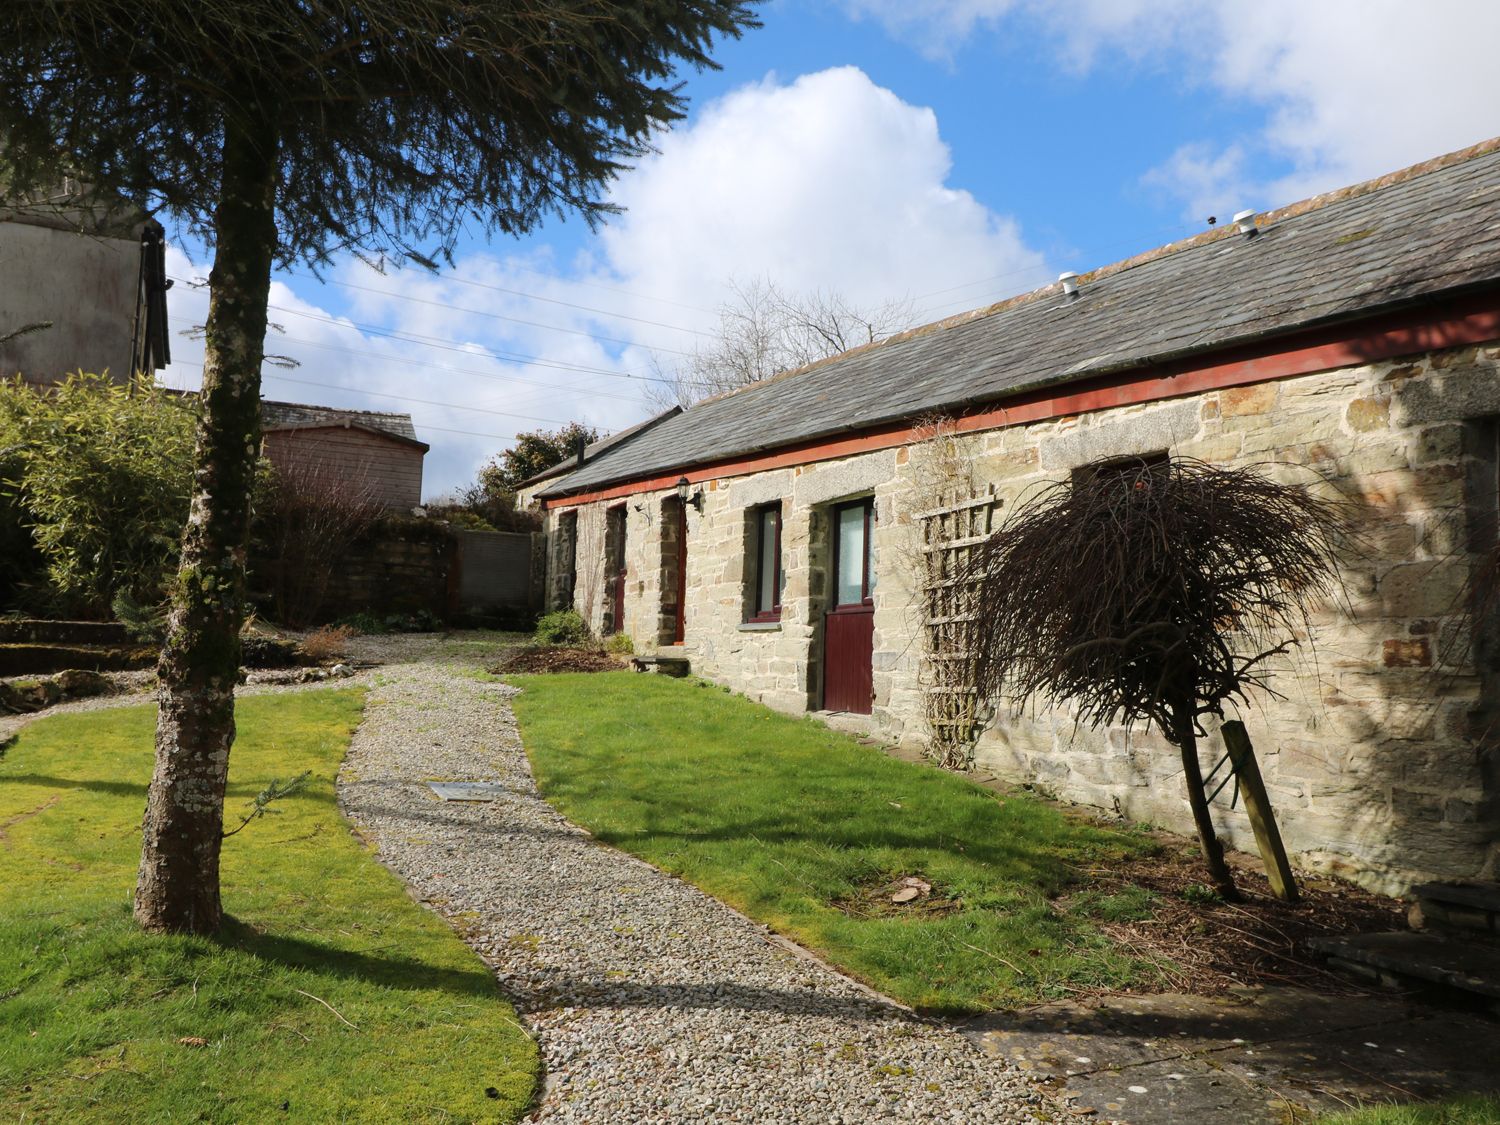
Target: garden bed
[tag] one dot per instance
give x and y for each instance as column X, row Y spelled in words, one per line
column 553, row 658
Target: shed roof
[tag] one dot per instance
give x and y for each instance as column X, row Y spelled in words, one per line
column 305, row 416
column 1427, row 231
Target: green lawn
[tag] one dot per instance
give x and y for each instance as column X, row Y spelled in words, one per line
column 93, row 1012
column 786, row 820
column 1460, row 1111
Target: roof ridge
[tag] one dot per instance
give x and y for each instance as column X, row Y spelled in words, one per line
column 1202, row 238
column 336, row 409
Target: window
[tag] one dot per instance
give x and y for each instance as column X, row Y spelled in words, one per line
column 765, row 601
column 854, row 554
column 1120, row 468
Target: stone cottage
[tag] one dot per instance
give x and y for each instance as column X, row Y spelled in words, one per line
column 775, row 536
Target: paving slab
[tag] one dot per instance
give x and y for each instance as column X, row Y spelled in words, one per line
column 1258, row 1055
column 482, row 791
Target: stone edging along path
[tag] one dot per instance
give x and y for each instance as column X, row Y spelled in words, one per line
column 652, row 1001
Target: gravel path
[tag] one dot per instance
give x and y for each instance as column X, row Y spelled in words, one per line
column 652, row 1001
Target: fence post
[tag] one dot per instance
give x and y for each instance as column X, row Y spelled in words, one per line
column 1258, row 808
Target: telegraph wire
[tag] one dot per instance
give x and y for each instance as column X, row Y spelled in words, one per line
column 500, row 289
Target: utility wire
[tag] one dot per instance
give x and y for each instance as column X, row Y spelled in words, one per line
column 501, row 289
column 399, row 398
column 384, row 358
column 440, row 429
column 437, row 342
column 513, row 320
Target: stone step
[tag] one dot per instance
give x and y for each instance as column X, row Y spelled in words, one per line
column 1471, row 908
column 1406, row 958
column 663, row 665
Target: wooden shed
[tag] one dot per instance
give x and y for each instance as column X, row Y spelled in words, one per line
column 373, row 452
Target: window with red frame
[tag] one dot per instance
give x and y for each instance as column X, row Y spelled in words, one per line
column 765, row 603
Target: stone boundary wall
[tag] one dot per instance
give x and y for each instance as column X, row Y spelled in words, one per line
column 1378, row 754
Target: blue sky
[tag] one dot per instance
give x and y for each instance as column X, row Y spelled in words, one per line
column 944, row 152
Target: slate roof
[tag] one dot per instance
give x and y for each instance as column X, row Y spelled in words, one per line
column 303, row 416
column 594, row 449
column 1433, row 229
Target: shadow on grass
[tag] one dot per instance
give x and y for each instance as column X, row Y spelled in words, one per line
column 116, row 788
column 551, row 991
column 386, row 970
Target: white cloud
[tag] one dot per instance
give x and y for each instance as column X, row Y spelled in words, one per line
column 829, row 181
column 1350, row 88
column 826, row 182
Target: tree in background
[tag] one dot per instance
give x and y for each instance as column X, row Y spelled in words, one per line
column 285, row 132
column 533, row 452
column 1155, row 592
column 764, row 331
column 99, row 476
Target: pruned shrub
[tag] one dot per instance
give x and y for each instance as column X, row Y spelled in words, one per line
column 328, row 643
column 309, row 514
column 564, row 627
column 620, row 643
column 1155, row 592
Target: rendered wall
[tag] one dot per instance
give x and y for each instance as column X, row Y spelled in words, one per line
column 87, row 285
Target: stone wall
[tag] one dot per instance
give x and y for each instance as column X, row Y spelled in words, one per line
column 1375, row 753
column 391, row 571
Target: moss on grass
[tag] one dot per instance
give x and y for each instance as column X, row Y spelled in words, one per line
column 101, row 1022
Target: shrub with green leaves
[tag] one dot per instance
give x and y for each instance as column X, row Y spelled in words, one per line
column 103, row 476
column 21, row 564
column 563, row 627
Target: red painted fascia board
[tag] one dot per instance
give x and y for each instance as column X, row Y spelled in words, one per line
column 1454, row 324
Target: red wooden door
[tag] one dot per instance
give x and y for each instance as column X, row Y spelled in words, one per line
column 849, row 626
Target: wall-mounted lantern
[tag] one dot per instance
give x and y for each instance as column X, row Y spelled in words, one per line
column 684, row 487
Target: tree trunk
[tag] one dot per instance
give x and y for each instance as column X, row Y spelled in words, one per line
column 1208, row 839
column 178, row 885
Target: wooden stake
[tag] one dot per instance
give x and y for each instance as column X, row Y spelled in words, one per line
column 1258, row 808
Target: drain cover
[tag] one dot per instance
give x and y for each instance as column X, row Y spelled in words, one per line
column 467, row 790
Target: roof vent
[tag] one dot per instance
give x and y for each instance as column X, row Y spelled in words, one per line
column 1244, row 222
column 1069, row 281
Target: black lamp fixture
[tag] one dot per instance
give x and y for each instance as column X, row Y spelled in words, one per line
column 696, row 499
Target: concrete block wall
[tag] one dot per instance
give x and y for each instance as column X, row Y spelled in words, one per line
column 1376, row 755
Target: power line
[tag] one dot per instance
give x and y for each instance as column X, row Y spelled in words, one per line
column 437, row 342
column 512, row 320
column 453, row 370
column 502, row 289
column 400, row 398
column 486, row 353
column 606, row 288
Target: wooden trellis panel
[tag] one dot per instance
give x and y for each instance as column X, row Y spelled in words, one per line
column 950, row 535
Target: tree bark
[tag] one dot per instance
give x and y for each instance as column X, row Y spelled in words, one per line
column 178, row 885
column 1208, row 839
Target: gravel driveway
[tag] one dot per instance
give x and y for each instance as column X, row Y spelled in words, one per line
column 652, row 1002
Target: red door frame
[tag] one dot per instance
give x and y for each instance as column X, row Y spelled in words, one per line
column 617, row 564
column 849, row 629
column 679, row 625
